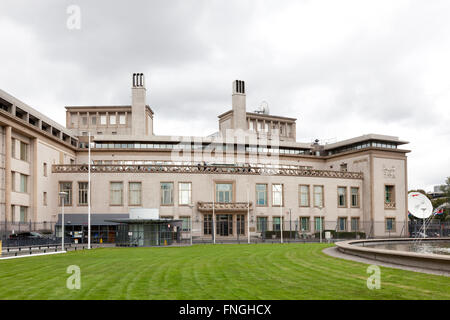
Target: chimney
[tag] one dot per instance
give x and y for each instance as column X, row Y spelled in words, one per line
column 138, row 105
column 238, row 104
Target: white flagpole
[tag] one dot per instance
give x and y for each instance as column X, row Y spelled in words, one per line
column 248, row 214
column 89, row 192
column 214, row 220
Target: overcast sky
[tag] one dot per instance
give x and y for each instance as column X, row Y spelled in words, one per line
column 342, row 68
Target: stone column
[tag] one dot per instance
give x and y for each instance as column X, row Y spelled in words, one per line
column 8, row 155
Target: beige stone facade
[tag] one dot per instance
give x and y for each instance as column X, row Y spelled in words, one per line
column 252, row 165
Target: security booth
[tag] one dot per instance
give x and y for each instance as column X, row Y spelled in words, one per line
column 147, row 232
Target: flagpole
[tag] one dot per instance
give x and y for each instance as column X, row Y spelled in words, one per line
column 248, row 214
column 214, row 215
column 89, row 192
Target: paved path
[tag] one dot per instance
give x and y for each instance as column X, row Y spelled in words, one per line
column 334, row 252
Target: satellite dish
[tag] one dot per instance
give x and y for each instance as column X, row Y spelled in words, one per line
column 419, row 205
column 264, row 107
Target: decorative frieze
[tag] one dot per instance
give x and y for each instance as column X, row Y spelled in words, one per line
column 224, row 207
column 205, row 169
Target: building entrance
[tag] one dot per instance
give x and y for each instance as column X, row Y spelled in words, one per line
column 224, row 225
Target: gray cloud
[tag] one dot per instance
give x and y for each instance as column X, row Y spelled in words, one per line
column 342, row 68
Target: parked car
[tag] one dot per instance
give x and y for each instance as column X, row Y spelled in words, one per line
column 26, row 235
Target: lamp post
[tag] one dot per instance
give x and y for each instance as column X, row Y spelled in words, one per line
column 192, row 216
column 321, row 222
column 62, row 194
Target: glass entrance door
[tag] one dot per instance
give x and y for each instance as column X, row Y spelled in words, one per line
column 224, row 225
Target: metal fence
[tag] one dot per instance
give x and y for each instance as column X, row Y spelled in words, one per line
column 228, row 229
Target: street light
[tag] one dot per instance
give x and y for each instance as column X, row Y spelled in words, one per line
column 321, row 222
column 63, row 195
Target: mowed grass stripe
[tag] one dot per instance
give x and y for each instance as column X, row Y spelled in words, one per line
column 263, row 271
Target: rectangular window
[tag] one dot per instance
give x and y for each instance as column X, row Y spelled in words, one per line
column 355, row 197
column 82, row 193
column 261, row 225
column 13, row 181
column 94, row 120
column 103, row 119
column 13, row 148
column 67, row 188
column 304, row 224
column 186, row 223
column 355, row 224
column 207, row 224
column 318, row 223
column 84, row 121
column 240, row 224
column 184, row 193
column 44, row 198
column 342, row 224
column 44, row 169
column 116, row 193
column 261, row 194
column 23, row 214
column 277, row 194
column 276, row 226
column 112, row 119
column 135, row 193
column 23, row 183
column 23, row 151
column 390, row 224
column 166, row 193
column 389, row 196
column 304, row 196
column 224, row 192
column 318, row 196
column 122, row 119
column 342, row 197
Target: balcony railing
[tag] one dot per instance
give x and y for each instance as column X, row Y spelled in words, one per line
column 205, row 169
column 223, row 207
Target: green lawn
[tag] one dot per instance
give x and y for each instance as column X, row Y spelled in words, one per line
column 263, row 271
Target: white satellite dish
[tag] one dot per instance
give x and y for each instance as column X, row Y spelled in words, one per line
column 263, row 108
column 419, row 205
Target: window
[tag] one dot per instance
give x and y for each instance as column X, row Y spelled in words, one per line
column 261, row 224
column 342, row 224
column 304, row 196
column 82, row 193
column 318, row 196
column 240, row 221
column 23, row 183
column 116, row 194
column 355, row 224
column 44, row 169
column 224, row 192
column 304, row 224
column 277, row 194
column 94, row 120
column 84, row 120
column 318, row 223
column 122, row 119
column 186, row 223
column 166, row 193
column 207, row 224
column 13, row 147
column 44, row 198
column 389, row 196
column 261, row 194
column 355, row 197
column 252, row 128
column 342, row 197
column 13, row 181
column 23, row 214
column 23, row 151
column 112, row 119
column 184, row 193
column 135, row 193
column 276, row 226
column 13, row 213
column 390, row 224
column 65, row 187
column 103, row 119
